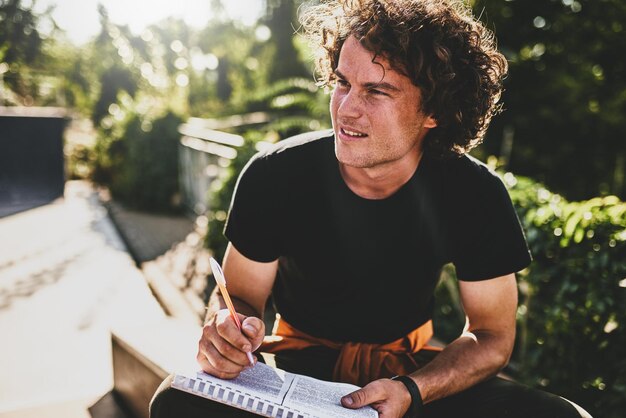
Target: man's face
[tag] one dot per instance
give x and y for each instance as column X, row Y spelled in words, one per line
column 375, row 113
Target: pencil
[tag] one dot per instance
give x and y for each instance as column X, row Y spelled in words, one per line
column 221, row 283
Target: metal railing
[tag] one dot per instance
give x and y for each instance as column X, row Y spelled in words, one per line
column 206, row 151
column 203, row 155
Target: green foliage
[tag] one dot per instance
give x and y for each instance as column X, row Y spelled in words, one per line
column 296, row 105
column 572, row 312
column 20, row 40
column 565, row 95
column 573, row 308
column 240, row 71
column 138, row 160
column 21, row 51
column 80, row 161
column 281, row 20
column 73, row 90
column 113, row 80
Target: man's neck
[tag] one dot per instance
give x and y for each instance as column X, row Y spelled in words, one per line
column 381, row 181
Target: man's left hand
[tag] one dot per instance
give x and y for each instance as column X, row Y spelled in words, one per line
column 389, row 397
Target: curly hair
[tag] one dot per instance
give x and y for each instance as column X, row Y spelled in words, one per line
column 438, row 44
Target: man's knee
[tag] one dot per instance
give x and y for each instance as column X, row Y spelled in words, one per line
column 538, row 403
column 173, row 403
column 162, row 401
column 168, row 402
column 503, row 398
column 545, row 404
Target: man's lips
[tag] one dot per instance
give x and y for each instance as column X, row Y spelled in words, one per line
column 351, row 133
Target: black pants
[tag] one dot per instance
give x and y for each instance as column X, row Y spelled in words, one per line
column 494, row 398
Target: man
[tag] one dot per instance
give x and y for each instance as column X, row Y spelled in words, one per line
column 348, row 230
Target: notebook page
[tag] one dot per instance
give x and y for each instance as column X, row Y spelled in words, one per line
column 324, row 398
column 260, row 389
column 272, row 392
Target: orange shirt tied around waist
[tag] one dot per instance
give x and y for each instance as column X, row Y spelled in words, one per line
column 358, row 363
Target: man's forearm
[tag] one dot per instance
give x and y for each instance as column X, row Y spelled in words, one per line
column 468, row 360
column 216, row 303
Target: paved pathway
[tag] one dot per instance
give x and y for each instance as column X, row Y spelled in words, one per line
column 65, row 280
column 149, row 235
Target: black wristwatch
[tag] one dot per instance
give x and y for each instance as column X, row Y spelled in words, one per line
column 415, row 410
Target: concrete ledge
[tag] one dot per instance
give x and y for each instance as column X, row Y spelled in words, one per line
column 144, row 354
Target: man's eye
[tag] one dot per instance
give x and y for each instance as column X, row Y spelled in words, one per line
column 377, row 92
column 342, row 83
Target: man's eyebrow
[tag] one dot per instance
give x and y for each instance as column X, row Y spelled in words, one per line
column 383, row 85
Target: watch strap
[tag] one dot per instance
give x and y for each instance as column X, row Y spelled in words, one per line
column 415, row 410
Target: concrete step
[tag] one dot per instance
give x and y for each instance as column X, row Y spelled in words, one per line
column 172, row 299
column 144, row 354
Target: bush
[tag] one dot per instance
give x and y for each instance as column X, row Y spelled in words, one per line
column 139, row 162
column 572, row 310
column 573, row 297
column 80, row 160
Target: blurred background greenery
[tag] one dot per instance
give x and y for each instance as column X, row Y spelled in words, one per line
column 562, row 134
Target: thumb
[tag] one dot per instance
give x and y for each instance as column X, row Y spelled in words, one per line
column 360, row 398
column 254, row 329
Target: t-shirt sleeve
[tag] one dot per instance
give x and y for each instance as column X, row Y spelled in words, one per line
column 253, row 218
column 489, row 240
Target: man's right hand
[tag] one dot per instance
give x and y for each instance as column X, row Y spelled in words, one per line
column 222, row 348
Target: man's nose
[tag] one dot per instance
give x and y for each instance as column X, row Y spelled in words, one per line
column 350, row 105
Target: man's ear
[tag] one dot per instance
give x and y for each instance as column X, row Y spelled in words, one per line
column 430, row 122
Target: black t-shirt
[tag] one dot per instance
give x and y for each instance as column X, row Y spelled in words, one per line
column 355, row 269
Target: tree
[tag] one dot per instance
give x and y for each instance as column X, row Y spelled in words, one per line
column 285, row 63
column 113, row 74
column 566, row 93
column 21, row 48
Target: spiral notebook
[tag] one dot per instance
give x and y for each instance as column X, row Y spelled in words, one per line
column 272, row 392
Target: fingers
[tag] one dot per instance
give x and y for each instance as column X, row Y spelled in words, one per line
column 225, row 349
column 227, row 330
column 218, row 368
column 222, row 349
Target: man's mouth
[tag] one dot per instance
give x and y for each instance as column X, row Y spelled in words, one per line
column 353, row 134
